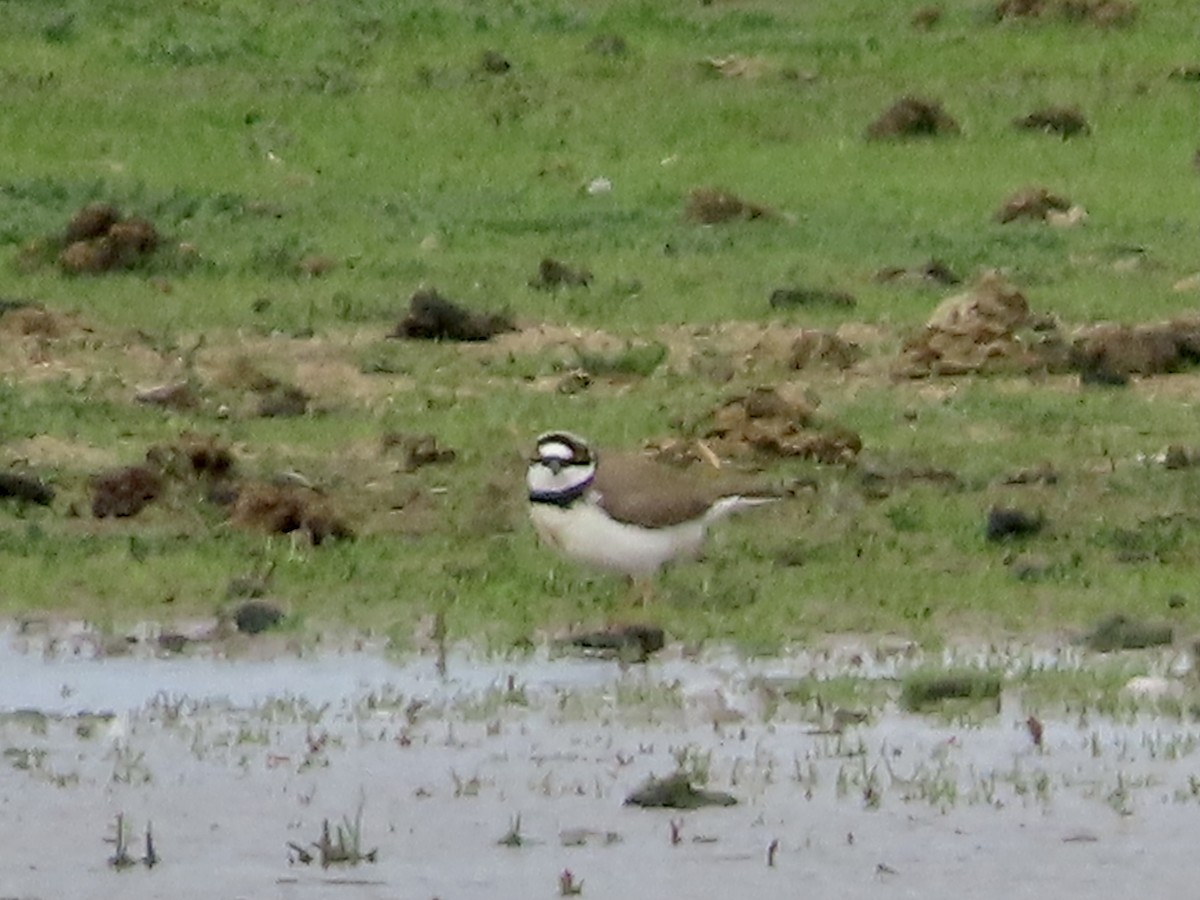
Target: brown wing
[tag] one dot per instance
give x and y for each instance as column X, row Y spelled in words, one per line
column 638, row 491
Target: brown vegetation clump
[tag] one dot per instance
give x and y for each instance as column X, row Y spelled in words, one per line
column 553, row 274
column 287, row 508
column 712, row 206
column 125, row 492
column 912, row 117
column 1065, row 121
column 1032, row 203
column 432, row 317
column 98, row 239
column 987, row 329
column 764, row 422
column 1121, row 350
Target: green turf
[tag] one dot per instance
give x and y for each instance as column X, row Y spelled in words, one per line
column 260, row 133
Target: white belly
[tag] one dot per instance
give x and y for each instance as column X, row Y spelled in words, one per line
column 585, row 534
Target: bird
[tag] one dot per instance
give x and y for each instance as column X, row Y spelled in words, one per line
column 622, row 512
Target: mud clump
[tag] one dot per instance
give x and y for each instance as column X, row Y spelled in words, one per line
column 630, row 643
column 712, row 206
column 125, row 492
column 1065, row 121
column 287, row 508
column 91, row 221
column 99, row 239
column 1005, row 523
column 1037, row 203
column 990, row 328
column 1111, row 353
column 418, row 450
column 432, row 317
column 555, row 274
column 676, row 792
column 912, row 117
column 765, row 423
column 493, row 62
column 25, row 489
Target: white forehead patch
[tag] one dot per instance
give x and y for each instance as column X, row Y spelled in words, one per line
column 556, row 450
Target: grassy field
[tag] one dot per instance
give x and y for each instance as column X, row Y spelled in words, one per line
column 310, row 165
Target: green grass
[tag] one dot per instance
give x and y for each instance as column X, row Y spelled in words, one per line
column 261, row 133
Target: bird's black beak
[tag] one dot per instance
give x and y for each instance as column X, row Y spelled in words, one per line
column 553, row 464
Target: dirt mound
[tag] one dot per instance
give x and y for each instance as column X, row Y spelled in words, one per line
column 712, row 205
column 99, row 239
column 912, row 117
column 765, row 422
column 987, row 329
column 1065, row 121
column 432, row 317
column 1120, row 350
column 814, row 347
column 125, row 492
column 287, row 508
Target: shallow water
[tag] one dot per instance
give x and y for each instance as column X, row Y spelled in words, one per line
column 233, row 758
